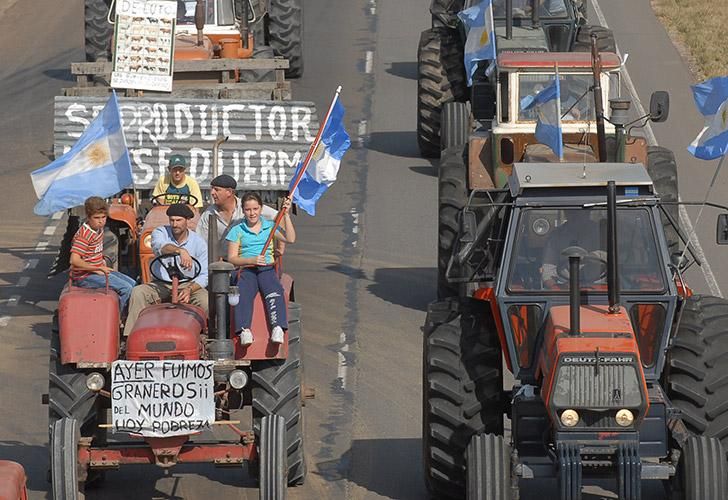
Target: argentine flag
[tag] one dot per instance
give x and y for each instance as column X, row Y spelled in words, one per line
column 548, row 106
column 480, row 41
column 97, row 165
column 711, row 98
column 324, row 163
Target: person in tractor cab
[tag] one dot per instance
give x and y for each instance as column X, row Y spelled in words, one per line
column 173, row 239
column 177, row 185
column 88, row 268
column 246, row 242
column 228, row 212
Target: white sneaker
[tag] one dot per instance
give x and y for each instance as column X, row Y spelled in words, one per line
column 276, row 335
column 246, row 337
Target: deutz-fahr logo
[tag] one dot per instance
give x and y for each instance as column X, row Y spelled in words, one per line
column 586, row 359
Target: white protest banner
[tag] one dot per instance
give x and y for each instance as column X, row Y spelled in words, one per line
column 144, row 45
column 162, row 398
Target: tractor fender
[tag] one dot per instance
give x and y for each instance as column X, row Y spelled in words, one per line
column 88, row 325
column 124, row 214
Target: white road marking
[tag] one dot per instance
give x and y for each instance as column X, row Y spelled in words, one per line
column 361, row 133
column 342, row 369
column 369, row 62
column 4, row 320
column 30, row 264
column 373, row 7
column 685, row 221
column 41, row 245
column 23, row 281
column 57, row 215
column 13, row 301
column 50, row 230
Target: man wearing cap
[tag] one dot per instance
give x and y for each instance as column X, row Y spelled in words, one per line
column 177, row 185
column 176, row 238
column 228, row 212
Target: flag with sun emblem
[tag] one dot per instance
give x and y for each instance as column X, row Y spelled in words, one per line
column 323, row 166
column 97, row 165
column 547, row 104
column 711, row 98
column 480, row 41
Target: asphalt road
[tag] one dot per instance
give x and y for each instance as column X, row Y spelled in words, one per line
column 364, row 266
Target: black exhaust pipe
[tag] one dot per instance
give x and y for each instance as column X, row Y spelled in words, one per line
column 535, row 18
column 612, row 257
column 509, row 19
column 574, row 295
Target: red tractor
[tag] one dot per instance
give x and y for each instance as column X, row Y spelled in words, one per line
column 89, row 361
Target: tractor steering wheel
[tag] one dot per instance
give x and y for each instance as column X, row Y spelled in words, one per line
column 593, row 266
column 173, row 269
column 161, row 199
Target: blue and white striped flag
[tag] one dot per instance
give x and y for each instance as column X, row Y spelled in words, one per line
column 480, row 41
column 711, row 98
column 548, row 106
column 323, row 166
column 97, row 165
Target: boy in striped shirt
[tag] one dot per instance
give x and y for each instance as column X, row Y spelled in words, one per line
column 88, row 269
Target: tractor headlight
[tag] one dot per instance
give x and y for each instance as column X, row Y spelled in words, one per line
column 95, row 382
column 624, row 417
column 147, row 241
column 238, row 379
column 569, row 418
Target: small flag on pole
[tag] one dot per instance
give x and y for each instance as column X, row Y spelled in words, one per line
column 97, row 165
column 711, row 98
column 548, row 106
column 323, row 160
column 480, row 41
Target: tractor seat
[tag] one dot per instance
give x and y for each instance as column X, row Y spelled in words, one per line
column 573, row 153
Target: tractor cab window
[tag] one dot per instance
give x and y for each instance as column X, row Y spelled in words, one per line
column 577, row 103
column 186, row 12
column 546, row 237
column 522, row 8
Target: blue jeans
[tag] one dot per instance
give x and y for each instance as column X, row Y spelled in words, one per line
column 119, row 282
column 264, row 279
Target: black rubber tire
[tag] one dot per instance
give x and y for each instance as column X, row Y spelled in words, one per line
column 452, row 196
column 662, row 168
column 276, row 390
column 488, row 459
column 440, row 79
column 285, row 33
column 695, row 375
column 259, row 75
column 702, row 470
column 445, row 13
column 66, row 483
column 273, row 466
column 605, row 39
column 455, row 128
column 462, row 389
column 98, row 32
column 68, row 396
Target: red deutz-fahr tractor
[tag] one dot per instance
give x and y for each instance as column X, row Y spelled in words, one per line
column 93, row 368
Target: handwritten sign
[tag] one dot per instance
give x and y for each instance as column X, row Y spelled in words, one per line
column 144, row 45
column 162, row 398
column 266, row 139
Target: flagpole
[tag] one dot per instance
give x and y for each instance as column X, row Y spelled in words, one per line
column 299, row 174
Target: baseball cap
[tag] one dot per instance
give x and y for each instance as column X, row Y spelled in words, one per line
column 177, row 160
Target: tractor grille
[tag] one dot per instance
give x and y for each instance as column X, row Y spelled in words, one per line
column 584, row 384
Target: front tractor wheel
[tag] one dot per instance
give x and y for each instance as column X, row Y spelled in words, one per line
column 702, row 471
column 462, row 389
column 452, row 197
column 276, row 390
column 273, row 468
column 65, row 478
column 489, row 472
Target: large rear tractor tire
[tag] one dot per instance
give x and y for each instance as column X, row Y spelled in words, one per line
column 488, row 460
column 273, row 468
column 605, row 39
column 98, row 31
column 276, row 388
column 455, row 129
column 662, row 168
column 259, row 75
column 463, row 389
column 695, row 375
column 445, row 13
column 441, row 79
column 702, row 470
column 285, row 33
column 452, row 196
column 66, row 481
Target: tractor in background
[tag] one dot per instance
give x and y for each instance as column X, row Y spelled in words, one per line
column 560, row 27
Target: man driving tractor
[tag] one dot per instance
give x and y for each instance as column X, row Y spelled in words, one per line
column 177, row 185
